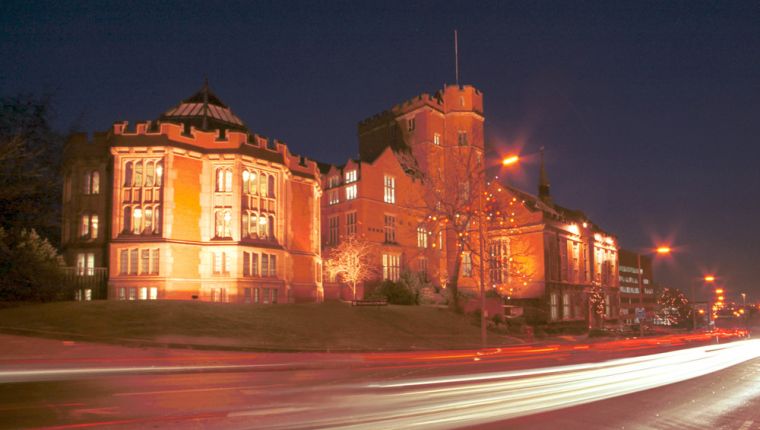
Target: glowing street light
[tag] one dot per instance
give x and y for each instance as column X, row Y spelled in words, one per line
column 662, row 250
column 709, row 278
column 507, row 161
column 510, row 160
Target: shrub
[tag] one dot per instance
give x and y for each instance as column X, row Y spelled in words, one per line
column 395, row 293
column 30, row 268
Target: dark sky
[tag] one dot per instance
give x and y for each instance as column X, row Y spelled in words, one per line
column 649, row 112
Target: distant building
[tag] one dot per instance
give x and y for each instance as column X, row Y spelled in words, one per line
column 192, row 206
column 545, row 259
column 380, row 196
column 630, row 294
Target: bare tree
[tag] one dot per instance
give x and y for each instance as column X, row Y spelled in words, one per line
column 453, row 188
column 350, row 261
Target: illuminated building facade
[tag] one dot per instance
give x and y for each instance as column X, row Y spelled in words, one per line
column 193, row 206
column 380, row 197
column 629, row 286
column 546, row 260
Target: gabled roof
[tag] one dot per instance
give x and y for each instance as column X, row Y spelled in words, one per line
column 204, row 110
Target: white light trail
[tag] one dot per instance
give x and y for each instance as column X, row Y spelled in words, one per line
column 467, row 400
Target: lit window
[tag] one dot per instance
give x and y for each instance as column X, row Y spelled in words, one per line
column 94, row 226
column 138, row 174
column 143, row 293
column 554, row 306
column 263, row 227
column 351, row 192
column 153, row 293
column 422, row 237
column 351, row 176
column 223, row 181
column 144, row 261
column 86, row 264
column 223, row 223
column 122, row 293
column 566, row 306
column 410, row 124
column 95, row 186
column 334, row 181
column 86, row 183
column 390, row 189
column 466, row 265
column 84, row 227
column 334, row 197
column 391, row 266
column 437, row 139
column 150, row 173
column 132, row 293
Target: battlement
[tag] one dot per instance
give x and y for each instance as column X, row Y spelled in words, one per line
column 218, row 140
column 451, row 98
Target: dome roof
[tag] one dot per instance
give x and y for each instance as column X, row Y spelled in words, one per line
column 205, row 111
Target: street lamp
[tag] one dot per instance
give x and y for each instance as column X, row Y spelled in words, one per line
column 506, row 161
column 662, row 250
column 707, row 279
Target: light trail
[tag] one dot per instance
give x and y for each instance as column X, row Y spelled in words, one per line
column 467, row 400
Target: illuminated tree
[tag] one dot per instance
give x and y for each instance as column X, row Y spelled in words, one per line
column 349, row 261
column 596, row 301
column 674, row 306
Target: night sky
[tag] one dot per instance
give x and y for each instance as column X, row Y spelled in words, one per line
column 649, row 112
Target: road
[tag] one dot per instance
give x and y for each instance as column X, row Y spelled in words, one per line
column 695, row 381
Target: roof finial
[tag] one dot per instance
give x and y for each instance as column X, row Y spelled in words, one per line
column 543, row 185
column 205, row 103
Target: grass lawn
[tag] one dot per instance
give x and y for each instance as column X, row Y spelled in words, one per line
column 327, row 326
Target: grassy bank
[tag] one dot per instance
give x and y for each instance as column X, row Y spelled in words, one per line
column 328, row 326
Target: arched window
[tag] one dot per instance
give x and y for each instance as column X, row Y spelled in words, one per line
column 157, row 220
column 228, row 180
column 263, row 180
column 128, row 174
column 148, row 224
column 138, row 174
column 270, row 185
column 219, row 179
column 150, row 173
column 271, row 227
column 127, row 219
column 94, row 226
column 137, row 215
column 227, row 223
column 244, row 224
column 95, row 188
column 159, row 173
column 254, row 183
column 86, row 183
column 219, row 224
column 262, row 227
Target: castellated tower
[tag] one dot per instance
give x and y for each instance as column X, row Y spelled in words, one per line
column 430, row 136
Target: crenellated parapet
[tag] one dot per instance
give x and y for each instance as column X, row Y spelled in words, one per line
column 217, row 140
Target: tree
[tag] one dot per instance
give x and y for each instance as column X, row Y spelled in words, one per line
column 350, row 261
column 30, row 268
column 30, row 156
column 596, row 302
column 674, row 306
column 453, row 182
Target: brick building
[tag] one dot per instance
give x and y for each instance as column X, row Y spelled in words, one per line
column 193, row 206
column 381, row 196
column 545, row 259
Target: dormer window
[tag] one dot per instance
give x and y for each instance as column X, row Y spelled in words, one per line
column 351, row 176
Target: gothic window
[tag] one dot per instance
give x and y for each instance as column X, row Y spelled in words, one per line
column 138, row 174
column 270, row 186
column 128, row 174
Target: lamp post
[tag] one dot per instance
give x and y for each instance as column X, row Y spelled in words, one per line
column 663, row 250
column 707, row 279
column 507, row 161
